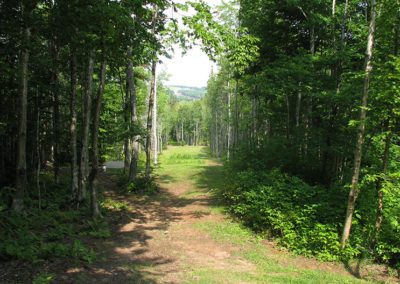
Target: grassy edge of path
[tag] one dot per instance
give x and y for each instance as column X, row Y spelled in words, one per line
column 194, row 166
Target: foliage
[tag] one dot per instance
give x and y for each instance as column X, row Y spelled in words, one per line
column 188, row 93
column 142, row 186
column 287, row 208
column 54, row 230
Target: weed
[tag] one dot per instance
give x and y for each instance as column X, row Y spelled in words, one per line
column 43, row 278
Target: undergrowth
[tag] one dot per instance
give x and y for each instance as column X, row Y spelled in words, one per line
column 140, row 185
column 56, row 229
column 308, row 219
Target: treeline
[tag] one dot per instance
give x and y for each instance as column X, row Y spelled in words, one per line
column 189, row 93
column 61, row 62
column 310, row 124
column 79, row 87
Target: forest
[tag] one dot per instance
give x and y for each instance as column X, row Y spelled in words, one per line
column 188, row 93
column 303, row 112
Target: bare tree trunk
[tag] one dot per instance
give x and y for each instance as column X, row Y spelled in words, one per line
column 20, row 178
column 94, row 204
column 149, row 119
column 134, row 118
column 254, row 118
column 360, row 135
column 298, row 106
column 216, row 135
column 84, row 164
column 287, row 116
column 127, row 140
column 229, row 124
column 151, row 101
column 56, row 119
column 160, row 143
column 38, row 150
column 379, row 213
column 182, row 137
column 155, row 146
column 73, row 119
column 236, row 136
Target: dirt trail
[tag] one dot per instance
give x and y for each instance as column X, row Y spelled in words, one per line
column 156, row 240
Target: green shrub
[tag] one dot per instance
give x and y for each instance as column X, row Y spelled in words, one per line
column 142, row 185
column 289, row 209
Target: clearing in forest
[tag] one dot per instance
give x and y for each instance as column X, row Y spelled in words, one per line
column 181, row 235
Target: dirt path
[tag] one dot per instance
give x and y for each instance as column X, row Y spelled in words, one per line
column 180, row 236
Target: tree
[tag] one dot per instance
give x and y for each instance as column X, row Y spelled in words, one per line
column 361, row 129
column 21, row 176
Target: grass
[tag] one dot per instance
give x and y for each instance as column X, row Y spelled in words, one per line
column 269, row 268
column 190, row 166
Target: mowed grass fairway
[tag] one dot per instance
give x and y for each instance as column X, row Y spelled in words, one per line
column 207, row 246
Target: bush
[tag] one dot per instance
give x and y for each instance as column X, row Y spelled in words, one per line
column 142, row 185
column 289, row 209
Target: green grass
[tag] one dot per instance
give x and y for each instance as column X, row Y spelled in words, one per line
column 269, row 269
column 189, row 166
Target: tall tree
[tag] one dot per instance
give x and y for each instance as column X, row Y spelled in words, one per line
column 150, row 118
column 361, row 129
column 94, row 205
column 73, row 128
column 84, row 162
column 151, row 98
column 134, row 117
column 21, row 176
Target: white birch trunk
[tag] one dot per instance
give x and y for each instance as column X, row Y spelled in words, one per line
column 360, row 135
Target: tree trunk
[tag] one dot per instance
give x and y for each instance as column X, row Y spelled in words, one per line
column 134, row 118
column 149, row 119
column 155, row 146
column 360, row 135
column 298, row 106
column 94, row 204
column 216, row 135
column 84, row 164
column 56, row 119
column 73, row 119
column 379, row 213
column 254, row 118
column 127, row 140
column 229, row 124
column 287, row 116
column 21, row 178
column 182, row 137
column 236, row 123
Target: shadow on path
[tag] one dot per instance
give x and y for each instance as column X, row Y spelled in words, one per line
column 127, row 256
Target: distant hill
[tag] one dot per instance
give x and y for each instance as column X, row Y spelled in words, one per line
column 186, row 93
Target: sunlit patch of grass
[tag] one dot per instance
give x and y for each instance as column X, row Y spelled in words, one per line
column 113, row 204
column 269, row 270
column 193, row 193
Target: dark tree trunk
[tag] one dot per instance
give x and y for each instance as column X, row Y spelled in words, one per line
column 56, row 113
column 20, row 179
column 84, row 164
column 94, row 204
column 72, row 143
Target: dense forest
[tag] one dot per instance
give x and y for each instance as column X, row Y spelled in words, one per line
column 303, row 110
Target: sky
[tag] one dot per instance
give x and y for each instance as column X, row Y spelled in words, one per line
column 193, row 69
